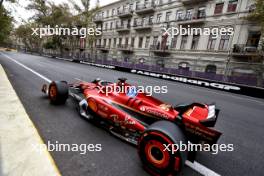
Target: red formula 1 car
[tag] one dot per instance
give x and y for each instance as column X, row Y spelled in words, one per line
column 154, row 126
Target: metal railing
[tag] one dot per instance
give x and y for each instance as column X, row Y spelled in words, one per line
column 145, row 6
column 189, row 17
column 125, row 47
column 125, row 12
column 142, row 23
column 246, row 49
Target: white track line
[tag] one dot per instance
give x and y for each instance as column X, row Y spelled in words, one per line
column 195, row 165
column 29, row 69
column 201, row 168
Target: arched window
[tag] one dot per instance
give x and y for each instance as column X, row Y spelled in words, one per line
column 210, row 69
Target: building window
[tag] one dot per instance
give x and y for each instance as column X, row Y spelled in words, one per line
column 116, row 24
column 168, row 15
column 111, row 25
column 151, row 20
column 219, row 8
column 179, row 15
column 174, row 42
column 130, row 7
column 110, row 42
column 132, row 41
column 113, row 12
column 201, row 13
column 224, row 42
column 137, row 5
column 184, row 42
column 120, row 41
column 126, row 41
column 107, row 13
column 253, row 38
column 144, row 21
column 104, row 42
column 114, row 45
column 195, row 42
column 211, row 42
column 106, row 26
column 232, row 6
column 159, row 18
column 189, row 14
column 147, row 42
column 155, row 40
column 210, row 69
column 140, row 42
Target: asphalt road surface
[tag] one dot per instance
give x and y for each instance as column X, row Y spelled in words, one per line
column 241, row 120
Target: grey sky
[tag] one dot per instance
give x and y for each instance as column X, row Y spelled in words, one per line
column 21, row 14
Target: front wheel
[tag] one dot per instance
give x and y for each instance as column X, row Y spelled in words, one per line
column 153, row 149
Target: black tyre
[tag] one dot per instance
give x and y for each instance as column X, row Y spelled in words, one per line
column 155, row 157
column 58, row 92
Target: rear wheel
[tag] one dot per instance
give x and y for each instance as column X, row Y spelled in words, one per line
column 58, row 92
column 157, row 157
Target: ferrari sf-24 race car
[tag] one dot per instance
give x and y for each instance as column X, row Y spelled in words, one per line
column 142, row 120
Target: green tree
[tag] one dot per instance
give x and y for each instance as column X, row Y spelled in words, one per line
column 258, row 14
column 2, row 1
column 24, row 32
column 84, row 17
column 5, row 25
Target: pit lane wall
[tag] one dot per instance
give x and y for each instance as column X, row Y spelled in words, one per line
column 227, row 87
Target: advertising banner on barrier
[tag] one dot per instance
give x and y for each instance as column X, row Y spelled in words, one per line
column 228, row 87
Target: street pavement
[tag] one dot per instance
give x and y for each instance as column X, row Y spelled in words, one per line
column 241, row 120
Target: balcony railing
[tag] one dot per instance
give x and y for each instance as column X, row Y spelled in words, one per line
column 125, row 13
column 188, row 19
column 158, row 48
column 188, row 2
column 245, row 50
column 103, row 47
column 123, row 28
column 143, row 25
column 98, row 19
column 125, row 47
column 145, row 8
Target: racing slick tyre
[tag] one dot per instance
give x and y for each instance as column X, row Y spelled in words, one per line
column 158, row 159
column 58, row 92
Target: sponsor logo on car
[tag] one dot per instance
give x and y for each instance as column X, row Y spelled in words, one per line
column 154, row 112
column 126, row 121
